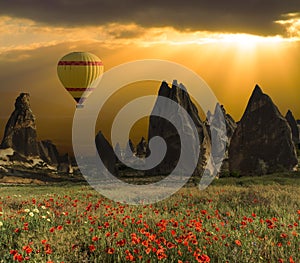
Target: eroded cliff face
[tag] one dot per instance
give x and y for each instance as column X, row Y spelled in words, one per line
column 294, row 127
column 20, row 137
column 262, row 142
column 20, row 131
column 163, row 128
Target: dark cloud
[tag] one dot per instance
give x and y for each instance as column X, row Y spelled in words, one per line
column 252, row 16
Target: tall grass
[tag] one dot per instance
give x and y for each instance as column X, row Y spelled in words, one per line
column 224, row 223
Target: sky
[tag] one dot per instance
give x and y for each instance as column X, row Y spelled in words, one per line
column 232, row 45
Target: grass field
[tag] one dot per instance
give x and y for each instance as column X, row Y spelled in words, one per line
column 250, row 219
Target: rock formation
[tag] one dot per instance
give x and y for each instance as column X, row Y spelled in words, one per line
column 65, row 164
column 294, row 127
column 20, row 131
column 161, row 127
column 118, row 152
column 229, row 121
column 220, row 136
column 129, row 150
column 141, row 148
column 20, row 136
column 49, row 153
column 262, row 142
column 106, row 153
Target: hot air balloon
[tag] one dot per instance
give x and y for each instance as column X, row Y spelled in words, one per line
column 80, row 72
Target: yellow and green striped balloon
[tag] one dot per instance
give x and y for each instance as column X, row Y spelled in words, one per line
column 79, row 73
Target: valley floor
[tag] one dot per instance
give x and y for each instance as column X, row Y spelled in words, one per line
column 249, row 219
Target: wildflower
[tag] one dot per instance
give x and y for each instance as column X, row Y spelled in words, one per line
column 35, row 210
column 170, row 245
column 1, row 223
column 43, row 207
column 18, row 257
column 121, row 243
column 48, row 249
column 110, row 251
column 26, row 210
column 92, row 248
column 238, row 242
column 31, row 214
column 95, row 238
column 27, row 249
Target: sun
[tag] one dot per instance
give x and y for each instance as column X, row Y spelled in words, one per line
column 248, row 41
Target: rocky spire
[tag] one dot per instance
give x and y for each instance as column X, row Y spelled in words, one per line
column 20, row 131
column 163, row 128
column 262, row 142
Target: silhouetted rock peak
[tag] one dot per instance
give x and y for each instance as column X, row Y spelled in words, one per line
column 23, row 102
column 20, row 131
column 257, row 90
column 163, row 128
column 262, row 142
column 258, row 99
column 21, row 136
column 178, row 93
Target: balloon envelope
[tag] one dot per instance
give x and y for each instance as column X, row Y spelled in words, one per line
column 79, row 73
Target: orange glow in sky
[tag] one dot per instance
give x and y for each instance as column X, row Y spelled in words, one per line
column 231, row 64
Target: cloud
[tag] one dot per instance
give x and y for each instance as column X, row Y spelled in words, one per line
column 291, row 22
column 253, row 16
column 25, row 34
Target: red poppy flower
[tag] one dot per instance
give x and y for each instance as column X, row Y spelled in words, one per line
column 110, row 251
column 238, row 242
column 95, row 238
column 92, row 248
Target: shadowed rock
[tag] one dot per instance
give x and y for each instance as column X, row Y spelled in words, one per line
column 294, row 127
column 20, row 131
column 141, row 148
column 262, row 142
column 21, row 136
column 48, row 152
column 129, row 150
column 118, row 152
column 163, row 128
column 65, row 164
column 106, row 153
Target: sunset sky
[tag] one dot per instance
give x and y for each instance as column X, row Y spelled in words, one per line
column 231, row 44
